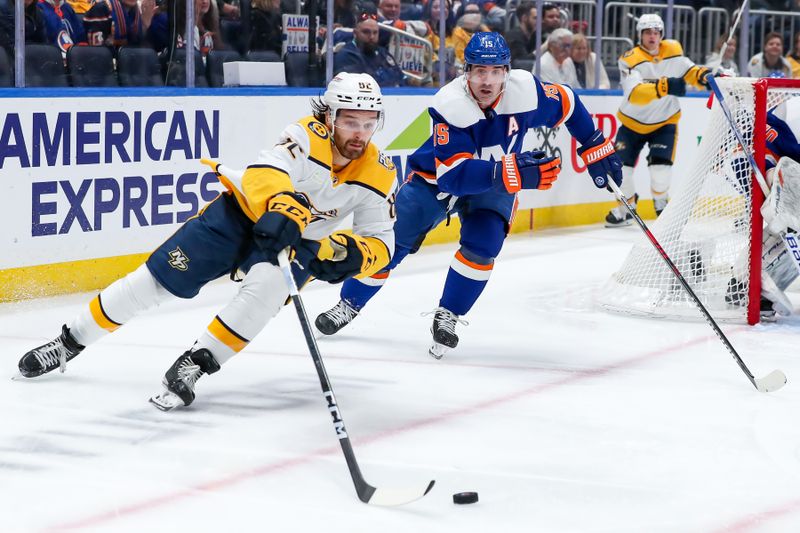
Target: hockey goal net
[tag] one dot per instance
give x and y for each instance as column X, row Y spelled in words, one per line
column 712, row 226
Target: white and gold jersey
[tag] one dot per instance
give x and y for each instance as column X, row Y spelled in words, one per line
column 365, row 187
column 642, row 109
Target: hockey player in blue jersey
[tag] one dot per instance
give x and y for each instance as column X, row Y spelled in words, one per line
column 478, row 157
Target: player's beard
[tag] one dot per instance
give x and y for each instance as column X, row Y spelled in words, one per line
column 351, row 149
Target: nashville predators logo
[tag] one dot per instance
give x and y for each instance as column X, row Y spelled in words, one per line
column 178, row 260
column 319, row 129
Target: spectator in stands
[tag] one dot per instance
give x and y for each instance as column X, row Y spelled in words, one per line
column 207, row 35
column 770, row 63
column 34, row 25
column 714, row 61
column 585, row 62
column 492, row 15
column 456, row 38
column 62, row 26
column 364, row 55
column 522, row 39
column 389, row 15
column 229, row 9
column 118, row 22
column 556, row 63
column 551, row 19
column 266, row 26
column 344, row 13
column 794, row 57
column 80, row 6
column 472, row 20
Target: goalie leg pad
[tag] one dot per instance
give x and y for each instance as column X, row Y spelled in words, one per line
column 780, row 259
column 781, row 209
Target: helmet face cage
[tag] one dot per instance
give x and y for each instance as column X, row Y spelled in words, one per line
column 359, row 92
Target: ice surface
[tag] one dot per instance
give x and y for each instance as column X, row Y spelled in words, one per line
column 563, row 417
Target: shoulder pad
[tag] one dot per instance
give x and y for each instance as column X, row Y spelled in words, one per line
column 670, row 48
column 319, row 141
column 453, row 103
column 634, row 56
column 374, row 171
column 520, row 95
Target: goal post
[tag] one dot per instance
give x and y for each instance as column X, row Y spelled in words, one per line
column 712, row 226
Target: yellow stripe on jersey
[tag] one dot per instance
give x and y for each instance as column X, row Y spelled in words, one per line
column 260, row 184
column 100, row 316
column 693, row 76
column 641, row 127
column 374, row 170
column 637, row 55
column 643, row 94
column 220, row 331
column 319, row 142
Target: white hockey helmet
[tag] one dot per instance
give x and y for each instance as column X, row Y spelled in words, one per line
column 649, row 21
column 354, row 91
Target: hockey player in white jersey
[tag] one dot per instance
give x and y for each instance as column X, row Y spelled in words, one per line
column 654, row 74
column 479, row 156
column 296, row 194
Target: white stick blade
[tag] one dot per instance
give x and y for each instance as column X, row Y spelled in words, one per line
column 394, row 497
column 771, row 382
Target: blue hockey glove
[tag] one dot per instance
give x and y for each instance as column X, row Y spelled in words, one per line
column 286, row 217
column 526, row 170
column 601, row 160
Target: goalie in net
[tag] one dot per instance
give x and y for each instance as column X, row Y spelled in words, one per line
column 712, row 228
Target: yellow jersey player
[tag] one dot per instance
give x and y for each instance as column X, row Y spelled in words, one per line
column 653, row 75
column 323, row 169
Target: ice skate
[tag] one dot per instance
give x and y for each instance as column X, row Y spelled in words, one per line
column 444, row 332
column 619, row 216
column 180, row 379
column 659, row 204
column 50, row 356
column 335, row 318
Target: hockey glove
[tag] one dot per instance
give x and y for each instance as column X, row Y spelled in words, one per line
column 703, row 75
column 345, row 257
column 601, row 160
column 673, row 86
column 526, row 170
column 286, row 217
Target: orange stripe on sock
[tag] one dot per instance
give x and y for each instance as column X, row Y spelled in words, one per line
column 226, row 335
column 470, row 264
column 96, row 308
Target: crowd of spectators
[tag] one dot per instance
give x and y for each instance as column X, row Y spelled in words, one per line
column 364, row 32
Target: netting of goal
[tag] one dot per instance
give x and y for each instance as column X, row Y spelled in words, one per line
column 711, row 223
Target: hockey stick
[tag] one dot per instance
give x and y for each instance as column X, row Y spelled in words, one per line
column 769, row 383
column 366, row 492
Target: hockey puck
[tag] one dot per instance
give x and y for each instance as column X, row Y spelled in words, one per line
column 465, row 497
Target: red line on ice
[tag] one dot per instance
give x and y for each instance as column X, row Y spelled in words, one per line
column 240, row 477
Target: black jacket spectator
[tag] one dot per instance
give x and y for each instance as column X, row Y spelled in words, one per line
column 266, row 26
column 364, row 54
column 522, row 39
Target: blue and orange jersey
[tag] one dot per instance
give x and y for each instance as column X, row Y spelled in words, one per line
column 783, row 132
column 63, row 27
column 466, row 141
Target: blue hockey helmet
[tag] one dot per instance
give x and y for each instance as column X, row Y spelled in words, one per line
column 487, row 48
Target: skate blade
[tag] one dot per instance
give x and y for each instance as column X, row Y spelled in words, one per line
column 437, row 350
column 166, row 400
